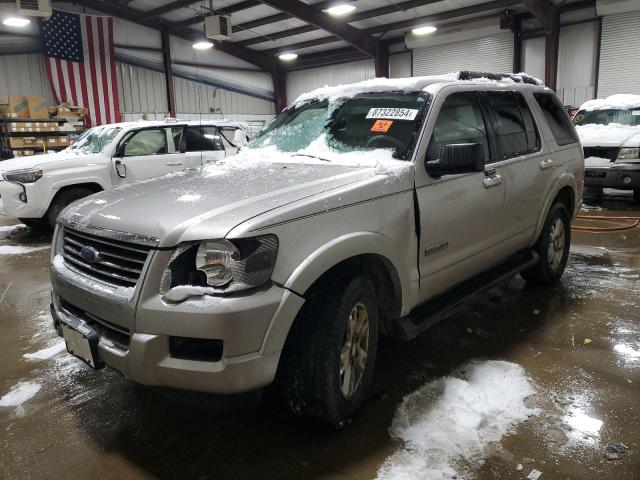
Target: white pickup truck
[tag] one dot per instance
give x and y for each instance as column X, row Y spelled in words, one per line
column 36, row 189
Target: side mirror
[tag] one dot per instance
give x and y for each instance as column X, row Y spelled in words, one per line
column 457, row 158
column 121, row 169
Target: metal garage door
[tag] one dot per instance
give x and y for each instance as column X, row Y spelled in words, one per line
column 619, row 55
column 488, row 54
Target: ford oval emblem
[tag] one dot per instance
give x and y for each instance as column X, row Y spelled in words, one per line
column 90, row 254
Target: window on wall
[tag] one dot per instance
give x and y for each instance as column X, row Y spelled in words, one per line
column 557, row 118
column 514, row 126
column 459, row 121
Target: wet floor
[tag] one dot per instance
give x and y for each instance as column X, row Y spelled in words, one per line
column 579, row 343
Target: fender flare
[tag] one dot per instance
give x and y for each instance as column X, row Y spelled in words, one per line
column 63, row 183
column 564, row 180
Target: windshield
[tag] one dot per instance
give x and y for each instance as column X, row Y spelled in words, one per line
column 95, row 139
column 605, row 117
column 366, row 122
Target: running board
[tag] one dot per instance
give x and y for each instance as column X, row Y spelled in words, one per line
column 446, row 304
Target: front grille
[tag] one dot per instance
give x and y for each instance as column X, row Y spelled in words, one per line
column 118, row 263
column 602, row 152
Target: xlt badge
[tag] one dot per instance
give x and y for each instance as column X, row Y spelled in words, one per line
column 435, row 248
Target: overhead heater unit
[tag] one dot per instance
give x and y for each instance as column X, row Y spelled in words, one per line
column 218, row 27
column 34, row 8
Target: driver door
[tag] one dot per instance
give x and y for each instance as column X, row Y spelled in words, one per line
column 148, row 153
column 460, row 215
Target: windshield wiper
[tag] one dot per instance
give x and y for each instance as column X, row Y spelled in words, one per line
column 310, row 156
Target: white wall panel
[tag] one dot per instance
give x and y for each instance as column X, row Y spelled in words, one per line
column 533, row 57
column 24, row 75
column 302, row 81
column 577, row 54
column 400, row 65
column 490, row 54
column 620, row 55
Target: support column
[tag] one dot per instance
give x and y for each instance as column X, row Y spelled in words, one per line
column 551, row 44
column 168, row 72
column 382, row 60
column 279, row 78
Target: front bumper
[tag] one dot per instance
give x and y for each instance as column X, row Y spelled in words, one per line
column 11, row 204
column 623, row 177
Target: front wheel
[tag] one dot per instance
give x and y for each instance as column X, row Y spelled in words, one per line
column 329, row 358
column 552, row 247
column 62, row 200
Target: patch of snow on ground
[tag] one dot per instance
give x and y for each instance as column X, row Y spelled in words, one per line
column 19, row 250
column 613, row 134
column 47, row 353
column 597, row 162
column 454, row 418
column 8, row 230
column 621, row 101
column 19, row 394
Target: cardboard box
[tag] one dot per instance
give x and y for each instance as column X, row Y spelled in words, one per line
column 41, row 141
column 38, row 107
column 52, row 142
column 63, row 141
column 17, row 107
column 16, row 142
column 29, row 141
column 28, row 153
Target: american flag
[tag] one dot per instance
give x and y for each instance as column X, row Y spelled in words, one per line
column 80, row 63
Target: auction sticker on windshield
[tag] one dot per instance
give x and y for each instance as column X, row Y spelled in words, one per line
column 393, row 113
column 382, row 126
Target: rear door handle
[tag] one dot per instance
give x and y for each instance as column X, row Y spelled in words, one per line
column 173, row 164
column 546, row 164
column 492, row 181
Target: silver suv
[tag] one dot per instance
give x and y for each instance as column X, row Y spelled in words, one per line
column 361, row 210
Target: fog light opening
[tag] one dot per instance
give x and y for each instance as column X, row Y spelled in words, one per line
column 202, row 349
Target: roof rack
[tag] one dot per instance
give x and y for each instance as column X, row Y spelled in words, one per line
column 517, row 78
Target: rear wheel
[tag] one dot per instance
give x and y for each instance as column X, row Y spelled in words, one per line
column 329, row 359
column 62, row 200
column 552, row 247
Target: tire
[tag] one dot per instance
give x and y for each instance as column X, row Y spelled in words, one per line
column 62, row 200
column 636, row 195
column 312, row 376
column 552, row 247
column 35, row 223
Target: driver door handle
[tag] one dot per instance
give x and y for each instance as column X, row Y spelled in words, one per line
column 173, row 163
column 492, row 181
column 546, row 164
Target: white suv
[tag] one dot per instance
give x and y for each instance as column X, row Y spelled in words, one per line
column 36, row 189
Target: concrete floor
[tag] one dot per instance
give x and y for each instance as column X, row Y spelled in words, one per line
column 86, row 424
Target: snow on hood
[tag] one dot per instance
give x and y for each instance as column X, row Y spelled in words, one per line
column 621, row 101
column 34, row 161
column 374, row 85
column 612, row 135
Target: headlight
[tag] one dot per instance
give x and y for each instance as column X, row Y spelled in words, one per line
column 629, row 154
column 219, row 266
column 23, row 176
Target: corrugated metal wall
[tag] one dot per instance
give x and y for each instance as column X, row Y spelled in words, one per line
column 141, row 91
column 619, row 55
column 302, row 81
column 24, row 75
column 492, row 54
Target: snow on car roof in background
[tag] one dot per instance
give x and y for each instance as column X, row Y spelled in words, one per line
column 411, row 84
column 621, row 101
column 161, row 123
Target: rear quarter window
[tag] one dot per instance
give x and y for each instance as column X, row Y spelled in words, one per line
column 557, row 118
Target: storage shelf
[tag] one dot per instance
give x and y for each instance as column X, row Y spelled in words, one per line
column 33, row 134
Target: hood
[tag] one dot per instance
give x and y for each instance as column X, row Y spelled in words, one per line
column 36, row 161
column 206, row 203
column 613, row 135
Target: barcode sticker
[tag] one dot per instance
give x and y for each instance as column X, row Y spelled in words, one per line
column 393, row 113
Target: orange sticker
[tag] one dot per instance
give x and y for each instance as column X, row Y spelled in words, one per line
column 382, row 126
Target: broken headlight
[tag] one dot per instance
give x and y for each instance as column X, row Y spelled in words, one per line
column 219, row 266
column 630, row 155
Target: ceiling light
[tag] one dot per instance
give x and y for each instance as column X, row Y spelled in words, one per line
column 203, row 45
column 340, row 9
column 16, row 22
column 288, row 56
column 424, row 30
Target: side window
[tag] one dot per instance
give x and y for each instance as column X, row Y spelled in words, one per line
column 557, row 118
column 511, row 130
column 174, row 139
column 533, row 138
column 203, row 138
column 459, row 121
column 147, row 142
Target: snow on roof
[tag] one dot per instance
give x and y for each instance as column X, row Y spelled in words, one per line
column 621, row 101
column 412, row 84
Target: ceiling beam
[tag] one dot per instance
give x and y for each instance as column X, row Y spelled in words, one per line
column 404, row 24
column 359, row 39
column 178, row 4
column 375, row 12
